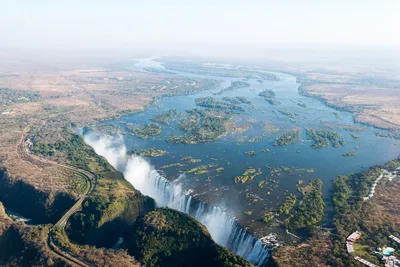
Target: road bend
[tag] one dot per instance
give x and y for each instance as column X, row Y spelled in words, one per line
column 23, row 151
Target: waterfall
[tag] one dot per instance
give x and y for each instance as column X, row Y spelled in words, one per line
column 223, row 228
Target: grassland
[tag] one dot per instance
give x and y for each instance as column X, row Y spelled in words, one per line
column 47, row 106
column 372, row 95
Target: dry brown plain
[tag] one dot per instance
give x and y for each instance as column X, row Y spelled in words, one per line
column 40, row 99
column 372, row 94
column 77, row 96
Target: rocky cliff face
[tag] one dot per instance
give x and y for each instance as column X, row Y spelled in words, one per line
column 166, row 237
column 24, row 246
column 108, row 214
column 40, row 206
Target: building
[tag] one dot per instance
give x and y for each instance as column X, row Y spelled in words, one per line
column 354, row 237
column 365, row 262
column 349, row 247
column 395, row 238
column 391, row 261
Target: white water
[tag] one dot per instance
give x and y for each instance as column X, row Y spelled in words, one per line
column 222, row 227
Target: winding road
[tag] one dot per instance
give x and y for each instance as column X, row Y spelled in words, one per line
column 23, row 151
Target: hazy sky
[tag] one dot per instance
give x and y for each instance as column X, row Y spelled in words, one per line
column 88, row 23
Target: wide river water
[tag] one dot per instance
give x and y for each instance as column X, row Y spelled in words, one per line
column 219, row 188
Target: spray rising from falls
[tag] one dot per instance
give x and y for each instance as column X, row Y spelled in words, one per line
column 222, row 227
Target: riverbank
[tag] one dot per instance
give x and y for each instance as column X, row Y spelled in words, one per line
column 250, row 204
column 382, row 114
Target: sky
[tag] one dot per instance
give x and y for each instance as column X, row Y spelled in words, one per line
column 41, row 24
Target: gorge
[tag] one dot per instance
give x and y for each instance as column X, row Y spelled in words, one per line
column 223, row 228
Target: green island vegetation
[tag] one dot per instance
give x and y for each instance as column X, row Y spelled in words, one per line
column 268, row 183
column 220, row 169
column 267, row 93
column 238, row 128
column 172, row 165
column 253, row 198
column 12, row 96
column 353, row 128
column 243, row 100
column 191, row 120
column 254, row 140
column 203, row 169
column 165, row 117
column 272, row 101
column 241, row 139
column 149, row 152
column 337, row 116
column 301, row 104
column 208, row 124
column 270, row 129
column 310, row 209
column 350, row 154
column 212, row 127
column 395, row 134
column 147, row 130
column 165, row 237
column 288, row 205
column 355, row 137
column 322, row 138
column 268, row 217
column 236, row 100
column 248, row 175
column 231, row 100
column 269, row 96
column 190, row 159
column 250, row 153
column 373, row 218
column 186, row 90
column 211, row 102
column 278, row 171
column 288, row 138
column 234, row 85
column 288, row 113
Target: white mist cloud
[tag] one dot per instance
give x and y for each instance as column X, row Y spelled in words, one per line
column 222, row 227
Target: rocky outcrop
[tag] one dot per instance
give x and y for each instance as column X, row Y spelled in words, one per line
column 166, row 237
column 40, row 206
column 108, row 214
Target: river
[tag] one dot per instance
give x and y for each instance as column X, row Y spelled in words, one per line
column 218, row 188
